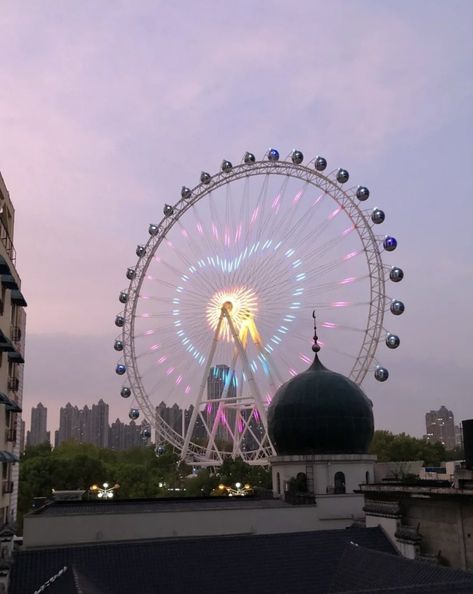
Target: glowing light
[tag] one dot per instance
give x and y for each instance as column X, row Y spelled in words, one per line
column 340, row 303
column 242, row 306
column 297, row 197
column 333, row 214
column 292, row 371
column 348, row 230
column 169, row 370
column 178, row 380
column 350, row 256
column 305, row 358
column 199, row 228
column 187, row 390
column 162, row 359
column 328, row 325
column 254, row 216
column 149, row 332
column 348, row 280
column 154, row 347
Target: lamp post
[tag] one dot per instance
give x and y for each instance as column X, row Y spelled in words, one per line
column 105, row 491
column 238, row 490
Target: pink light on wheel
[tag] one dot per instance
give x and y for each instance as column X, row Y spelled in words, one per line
column 256, row 414
column 254, row 216
column 317, row 200
column 305, row 358
column 199, row 228
column 170, row 370
column 334, row 213
column 162, row 359
column 187, row 390
column 350, row 256
column 328, row 325
column 240, row 426
column 149, row 332
column 184, row 232
column 348, row 280
column 208, row 408
column 292, row 371
column 154, row 347
column 178, row 380
column 297, row 197
column 348, row 230
column 238, row 233
column 340, row 303
column 215, row 231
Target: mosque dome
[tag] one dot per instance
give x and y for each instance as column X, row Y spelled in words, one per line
column 320, row 412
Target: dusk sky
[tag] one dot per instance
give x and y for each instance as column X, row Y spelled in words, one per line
column 107, row 109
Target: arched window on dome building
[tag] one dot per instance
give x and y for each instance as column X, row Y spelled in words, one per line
column 339, row 482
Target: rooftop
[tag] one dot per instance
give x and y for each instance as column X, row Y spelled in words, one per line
column 322, row 562
column 143, row 506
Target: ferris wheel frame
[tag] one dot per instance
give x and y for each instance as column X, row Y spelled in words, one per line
column 333, row 187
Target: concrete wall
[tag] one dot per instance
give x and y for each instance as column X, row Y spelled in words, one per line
column 323, row 468
column 47, row 530
column 445, row 526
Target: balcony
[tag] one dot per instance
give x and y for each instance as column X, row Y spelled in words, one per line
column 13, row 384
column 10, row 434
column 7, row 242
column 7, row 487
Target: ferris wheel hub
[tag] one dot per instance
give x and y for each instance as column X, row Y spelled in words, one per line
column 240, row 303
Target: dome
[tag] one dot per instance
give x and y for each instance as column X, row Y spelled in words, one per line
column 320, row 412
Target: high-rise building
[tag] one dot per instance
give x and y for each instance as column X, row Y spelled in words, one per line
column 69, row 424
column 99, row 425
column 440, row 427
column 221, row 384
column 12, row 342
column 38, row 432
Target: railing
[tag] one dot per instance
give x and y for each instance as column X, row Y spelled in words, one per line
column 15, row 333
column 13, row 384
column 11, row 434
column 7, row 487
column 7, row 242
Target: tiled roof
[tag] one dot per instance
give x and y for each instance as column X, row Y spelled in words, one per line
column 297, row 563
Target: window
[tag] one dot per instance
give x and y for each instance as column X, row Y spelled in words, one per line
column 339, row 483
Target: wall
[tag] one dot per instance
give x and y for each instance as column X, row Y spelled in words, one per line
column 43, row 530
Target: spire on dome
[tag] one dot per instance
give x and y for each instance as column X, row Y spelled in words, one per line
column 315, row 346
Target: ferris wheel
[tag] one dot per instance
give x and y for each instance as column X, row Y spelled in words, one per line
column 217, row 314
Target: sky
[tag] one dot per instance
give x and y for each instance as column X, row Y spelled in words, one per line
column 107, row 109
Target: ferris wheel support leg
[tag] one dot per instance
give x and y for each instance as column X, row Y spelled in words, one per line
column 203, row 385
column 250, row 376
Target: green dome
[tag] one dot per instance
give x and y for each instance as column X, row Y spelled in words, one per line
column 320, row 412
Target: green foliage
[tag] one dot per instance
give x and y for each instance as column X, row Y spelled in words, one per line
column 394, row 448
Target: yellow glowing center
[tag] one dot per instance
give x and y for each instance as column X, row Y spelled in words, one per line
column 240, row 303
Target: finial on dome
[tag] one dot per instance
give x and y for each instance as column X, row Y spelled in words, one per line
column 315, row 346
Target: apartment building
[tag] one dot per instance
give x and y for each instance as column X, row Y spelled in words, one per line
column 12, row 343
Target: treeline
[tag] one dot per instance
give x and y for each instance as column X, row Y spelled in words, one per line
column 390, row 447
column 139, row 472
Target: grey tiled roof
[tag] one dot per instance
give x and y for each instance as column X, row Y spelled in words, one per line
column 299, row 563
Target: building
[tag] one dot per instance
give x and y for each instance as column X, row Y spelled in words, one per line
column 221, row 388
column 38, row 432
column 12, row 344
column 124, row 437
column 440, row 426
column 69, row 424
column 99, row 428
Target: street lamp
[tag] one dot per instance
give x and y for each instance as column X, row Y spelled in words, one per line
column 238, row 491
column 105, row 491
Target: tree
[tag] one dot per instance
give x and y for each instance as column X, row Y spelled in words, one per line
column 395, row 448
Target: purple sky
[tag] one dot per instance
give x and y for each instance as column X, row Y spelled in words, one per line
column 106, row 109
